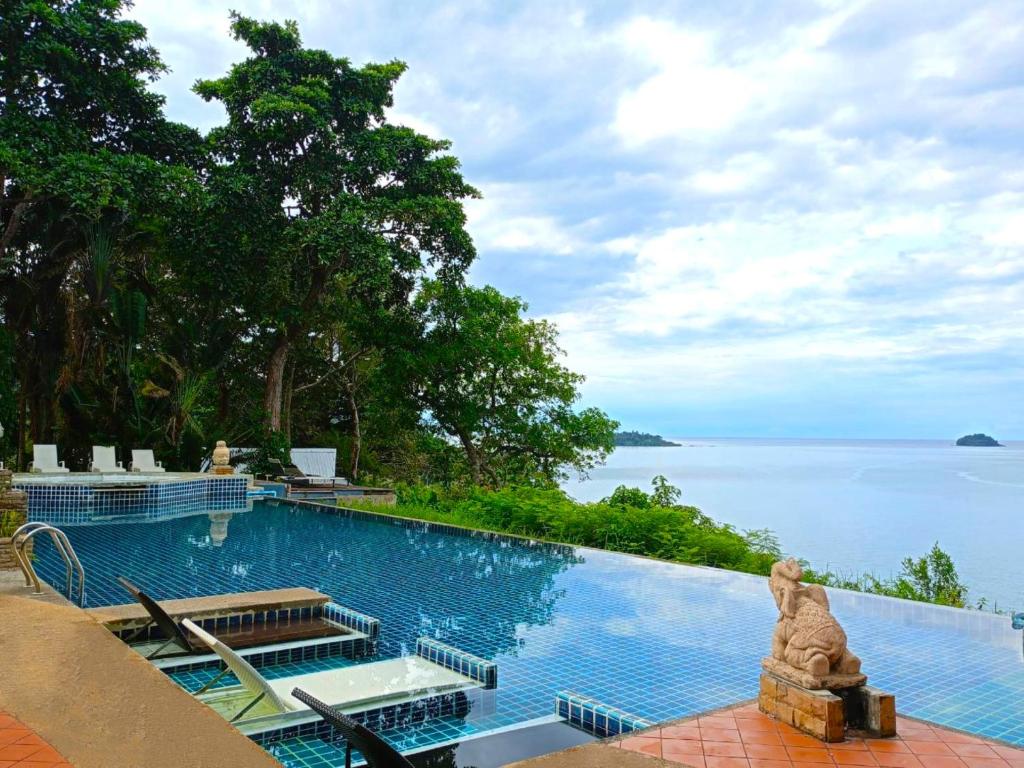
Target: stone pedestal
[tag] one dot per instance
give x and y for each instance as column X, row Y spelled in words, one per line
column 827, row 713
column 222, row 470
column 13, row 514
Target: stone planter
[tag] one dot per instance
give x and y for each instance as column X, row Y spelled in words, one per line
column 7, row 561
column 13, row 504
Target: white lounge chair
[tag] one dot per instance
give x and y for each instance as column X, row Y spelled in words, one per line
column 104, row 459
column 143, row 461
column 44, row 459
column 348, row 689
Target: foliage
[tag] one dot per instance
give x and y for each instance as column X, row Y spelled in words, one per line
column 630, row 520
column 10, row 521
column 644, row 439
column 491, row 380
column 277, row 281
column 932, row 578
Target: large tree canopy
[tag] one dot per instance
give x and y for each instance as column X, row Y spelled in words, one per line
column 295, row 276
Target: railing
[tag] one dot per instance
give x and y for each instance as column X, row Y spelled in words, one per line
column 20, row 539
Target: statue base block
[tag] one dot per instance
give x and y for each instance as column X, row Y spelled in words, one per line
column 826, row 714
column 223, row 470
column 806, row 680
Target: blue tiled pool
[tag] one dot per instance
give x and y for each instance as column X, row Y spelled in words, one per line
column 658, row 640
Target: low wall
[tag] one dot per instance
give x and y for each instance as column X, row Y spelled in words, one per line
column 70, row 501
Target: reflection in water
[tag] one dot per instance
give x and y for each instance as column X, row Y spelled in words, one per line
column 219, row 527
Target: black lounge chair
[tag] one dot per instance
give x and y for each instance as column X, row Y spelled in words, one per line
column 246, row 636
column 377, row 752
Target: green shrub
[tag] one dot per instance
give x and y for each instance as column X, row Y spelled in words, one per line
column 10, row 521
column 653, row 524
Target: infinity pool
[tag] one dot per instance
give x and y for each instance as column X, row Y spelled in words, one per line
column 658, row 640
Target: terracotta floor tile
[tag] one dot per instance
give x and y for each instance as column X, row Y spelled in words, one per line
column 47, row 754
column 853, row 757
column 941, row 761
column 726, row 762
column 972, row 750
column 929, row 748
column 766, row 751
column 809, row 755
column 761, row 737
column 6, row 763
column 919, row 735
column 888, row 745
column 18, row 752
column 13, row 735
column 757, row 763
column 984, row 762
column 801, row 740
column 756, row 724
column 672, row 749
column 680, row 732
column 1008, row 752
column 850, row 745
column 719, row 734
column 717, row 721
column 724, row 749
column 32, row 738
column 955, row 737
column 897, row 760
column 643, row 744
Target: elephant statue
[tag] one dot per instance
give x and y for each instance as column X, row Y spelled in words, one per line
column 807, row 636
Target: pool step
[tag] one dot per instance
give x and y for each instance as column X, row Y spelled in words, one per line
column 595, row 718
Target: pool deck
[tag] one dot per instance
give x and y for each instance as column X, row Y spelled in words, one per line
column 127, row 615
column 98, row 704
column 743, row 737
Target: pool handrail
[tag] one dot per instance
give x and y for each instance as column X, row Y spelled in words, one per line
column 377, row 752
column 19, row 540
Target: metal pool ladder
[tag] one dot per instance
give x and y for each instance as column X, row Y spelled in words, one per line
column 22, row 536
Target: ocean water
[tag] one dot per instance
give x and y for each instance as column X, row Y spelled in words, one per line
column 852, row 505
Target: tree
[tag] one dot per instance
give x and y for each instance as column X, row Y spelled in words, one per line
column 84, row 150
column 356, row 205
column 491, row 380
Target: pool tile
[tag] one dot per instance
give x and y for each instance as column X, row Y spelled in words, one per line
column 556, row 618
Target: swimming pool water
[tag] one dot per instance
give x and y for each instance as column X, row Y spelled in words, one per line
column 658, row 640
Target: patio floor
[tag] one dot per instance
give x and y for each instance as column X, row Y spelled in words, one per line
column 745, row 738
column 21, row 747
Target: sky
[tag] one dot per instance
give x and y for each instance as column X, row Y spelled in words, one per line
column 795, row 218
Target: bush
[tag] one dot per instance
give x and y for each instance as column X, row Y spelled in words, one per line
column 653, row 524
column 629, row 520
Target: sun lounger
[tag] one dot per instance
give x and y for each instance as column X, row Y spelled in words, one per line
column 104, row 459
column 242, row 636
column 142, row 461
column 354, row 688
column 44, row 459
column 375, row 751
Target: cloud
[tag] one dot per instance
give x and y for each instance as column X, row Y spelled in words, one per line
column 799, row 216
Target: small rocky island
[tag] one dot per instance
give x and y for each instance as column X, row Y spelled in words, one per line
column 642, row 439
column 979, row 441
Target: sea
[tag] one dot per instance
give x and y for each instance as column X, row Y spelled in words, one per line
column 851, row 506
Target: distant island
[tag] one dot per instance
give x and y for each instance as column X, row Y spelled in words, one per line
column 634, row 439
column 979, row 441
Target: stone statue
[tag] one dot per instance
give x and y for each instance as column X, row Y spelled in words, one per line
column 221, row 454
column 807, row 638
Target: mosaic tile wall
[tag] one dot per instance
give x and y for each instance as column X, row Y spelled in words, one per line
column 596, row 718
column 68, row 504
column 473, row 667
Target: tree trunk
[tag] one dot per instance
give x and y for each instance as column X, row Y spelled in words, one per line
column 274, row 391
column 472, row 456
column 289, row 394
column 357, row 437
